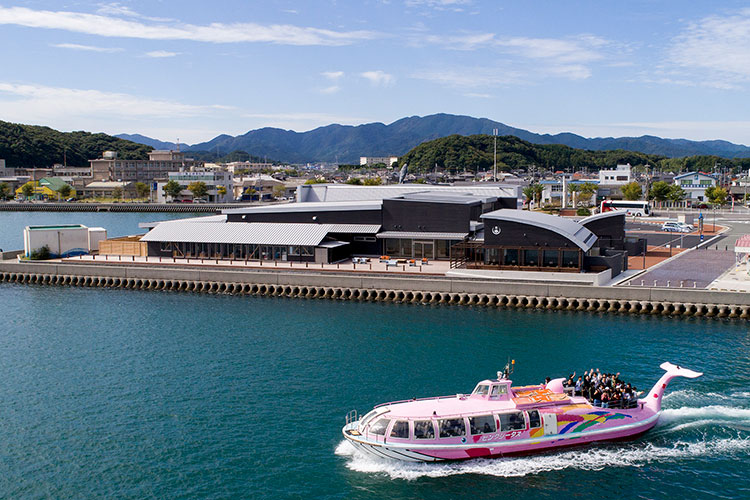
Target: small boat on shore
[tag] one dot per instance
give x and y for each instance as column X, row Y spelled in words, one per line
column 497, row 420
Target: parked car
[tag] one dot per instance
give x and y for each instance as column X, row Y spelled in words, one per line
column 679, row 227
column 199, row 200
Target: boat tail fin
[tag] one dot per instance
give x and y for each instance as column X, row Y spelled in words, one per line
column 653, row 400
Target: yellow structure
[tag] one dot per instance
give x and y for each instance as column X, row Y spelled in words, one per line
column 46, row 188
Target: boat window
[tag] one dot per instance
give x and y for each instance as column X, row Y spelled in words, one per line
column 534, row 420
column 499, row 389
column 400, row 429
column 452, row 427
column 423, row 429
column 378, row 428
column 483, row 424
column 512, row 421
column 482, row 389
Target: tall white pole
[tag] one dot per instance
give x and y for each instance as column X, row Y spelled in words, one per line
column 494, row 133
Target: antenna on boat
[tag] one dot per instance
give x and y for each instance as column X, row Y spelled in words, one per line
column 508, row 369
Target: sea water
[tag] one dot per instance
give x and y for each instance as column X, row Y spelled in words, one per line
column 142, row 394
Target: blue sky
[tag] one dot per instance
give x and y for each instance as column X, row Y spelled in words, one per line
column 194, row 69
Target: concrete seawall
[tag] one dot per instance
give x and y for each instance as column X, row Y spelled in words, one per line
column 631, row 300
column 118, row 207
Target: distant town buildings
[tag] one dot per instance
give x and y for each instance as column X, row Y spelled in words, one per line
column 369, row 161
column 111, row 168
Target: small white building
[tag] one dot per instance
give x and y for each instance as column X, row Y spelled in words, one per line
column 65, row 240
column 618, row 177
column 694, row 184
column 212, row 178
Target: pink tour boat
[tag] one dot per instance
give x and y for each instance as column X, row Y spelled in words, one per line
column 499, row 420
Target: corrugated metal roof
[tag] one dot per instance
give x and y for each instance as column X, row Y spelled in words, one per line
column 208, row 218
column 568, row 228
column 422, row 235
column 602, row 215
column 355, row 228
column 257, row 233
column 308, row 207
column 345, row 192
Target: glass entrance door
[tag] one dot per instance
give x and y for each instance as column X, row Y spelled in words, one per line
column 424, row 250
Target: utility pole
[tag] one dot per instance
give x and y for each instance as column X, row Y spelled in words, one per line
column 494, row 133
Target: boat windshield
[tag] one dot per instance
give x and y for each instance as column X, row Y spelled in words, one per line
column 482, row 389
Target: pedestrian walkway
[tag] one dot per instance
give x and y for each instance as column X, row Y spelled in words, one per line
column 694, row 269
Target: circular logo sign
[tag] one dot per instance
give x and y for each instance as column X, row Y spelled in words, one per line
column 495, row 230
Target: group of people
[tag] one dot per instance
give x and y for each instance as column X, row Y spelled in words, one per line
column 605, row 390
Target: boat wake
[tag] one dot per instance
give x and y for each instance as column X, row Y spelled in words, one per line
column 697, row 439
column 593, row 458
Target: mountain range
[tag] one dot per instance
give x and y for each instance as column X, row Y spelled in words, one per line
column 346, row 143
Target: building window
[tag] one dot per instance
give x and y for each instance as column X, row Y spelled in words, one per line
column 391, row 246
column 569, row 258
column 531, row 258
column 511, row 257
column 551, row 258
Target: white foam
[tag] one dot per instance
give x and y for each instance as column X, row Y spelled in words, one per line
column 593, row 458
column 714, row 413
column 693, row 397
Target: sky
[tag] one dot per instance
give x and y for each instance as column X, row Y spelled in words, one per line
column 192, row 70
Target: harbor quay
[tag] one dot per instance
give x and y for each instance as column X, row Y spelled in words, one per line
column 373, row 287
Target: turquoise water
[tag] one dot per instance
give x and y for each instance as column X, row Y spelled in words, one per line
column 135, row 394
column 116, row 224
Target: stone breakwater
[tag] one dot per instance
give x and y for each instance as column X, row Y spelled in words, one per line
column 650, row 301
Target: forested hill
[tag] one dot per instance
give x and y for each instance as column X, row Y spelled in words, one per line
column 24, row 146
column 345, row 143
column 475, row 152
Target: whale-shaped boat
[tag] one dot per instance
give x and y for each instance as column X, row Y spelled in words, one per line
column 497, row 419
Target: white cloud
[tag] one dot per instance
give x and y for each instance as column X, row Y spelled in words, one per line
column 90, row 48
column 378, row 78
column 112, row 26
column 714, row 48
column 29, row 102
column 330, row 90
column 161, row 53
column 454, row 5
column 333, row 75
column 478, row 95
column 470, row 78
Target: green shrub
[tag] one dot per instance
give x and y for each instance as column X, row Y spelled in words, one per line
column 583, row 211
column 40, row 253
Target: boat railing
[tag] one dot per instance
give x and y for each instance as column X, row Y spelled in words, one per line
column 414, row 399
column 352, row 417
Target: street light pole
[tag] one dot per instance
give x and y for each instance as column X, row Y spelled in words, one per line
column 494, row 176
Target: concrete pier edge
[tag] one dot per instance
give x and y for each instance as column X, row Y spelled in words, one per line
column 407, row 289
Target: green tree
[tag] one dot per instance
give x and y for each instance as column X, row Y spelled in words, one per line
column 28, row 189
column 374, row 181
column 528, row 192
column 198, row 188
column 356, row 181
column 117, row 193
column 659, row 191
column 316, row 180
column 64, row 191
column 632, row 191
column 4, row 190
column 588, row 189
column 676, row 193
column 172, row 189
column 142, row 190
column 716, row 195
column 279, row 190
column 221, row 190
